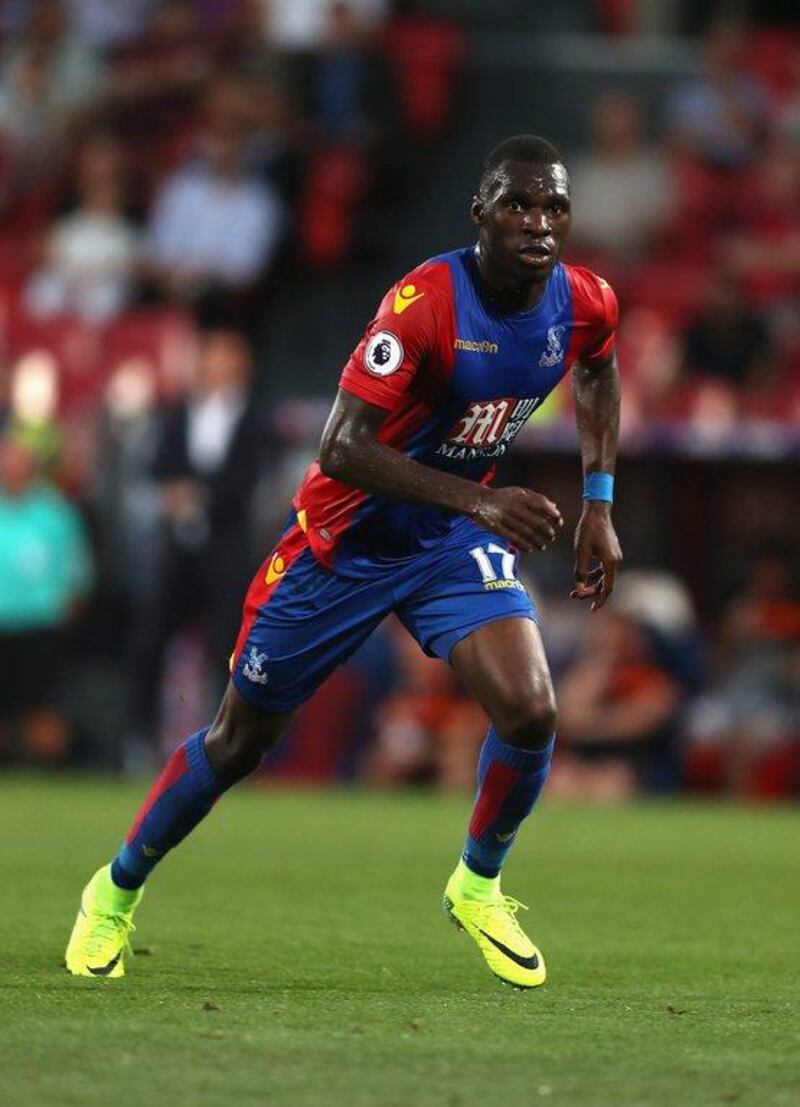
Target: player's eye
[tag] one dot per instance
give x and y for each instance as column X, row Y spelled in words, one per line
column 557, row 209
column 515, row 206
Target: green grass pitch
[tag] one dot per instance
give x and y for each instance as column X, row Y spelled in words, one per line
column 295, row 953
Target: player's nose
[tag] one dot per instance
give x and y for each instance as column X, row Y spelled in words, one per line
column 536, row 221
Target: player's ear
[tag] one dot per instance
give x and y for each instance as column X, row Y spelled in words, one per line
column 476, row 210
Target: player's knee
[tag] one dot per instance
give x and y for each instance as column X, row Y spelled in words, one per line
column 528, row 720
column 235, row 748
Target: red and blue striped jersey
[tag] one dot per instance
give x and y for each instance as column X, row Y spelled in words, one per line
column 458, row 380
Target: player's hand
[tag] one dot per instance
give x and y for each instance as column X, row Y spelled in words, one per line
column 596, row 541
column 521, row 516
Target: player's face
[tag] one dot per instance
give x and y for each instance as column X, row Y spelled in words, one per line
column 524, row 219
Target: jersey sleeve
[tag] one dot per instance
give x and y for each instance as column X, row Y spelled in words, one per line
column 397, row 344
column 596, row 307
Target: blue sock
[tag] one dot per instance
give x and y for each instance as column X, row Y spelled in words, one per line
column 183, row 794
column 509, row 783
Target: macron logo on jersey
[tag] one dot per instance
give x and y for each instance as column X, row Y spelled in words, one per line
column 475, row 346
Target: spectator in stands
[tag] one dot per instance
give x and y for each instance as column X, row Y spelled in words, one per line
column 789, row 113
column 327, row 47
column 720, row 116
column 661, row 604
column 618, row 712
column 110, row 24
column 77, row 74
column 33, row 408
column 751, row 715
column 214, row 227
column 31, row 122
column 274, row 149
column 208, row 458
column 91, row 253
column 45, row 573
column 49, row 79
column 305, row 27
column 158, row 78
column 727, row 339
column 7, row 173
column 765, row 251
column 126, row 494
column 622, row 188
column 342, row 74
column 14, row 15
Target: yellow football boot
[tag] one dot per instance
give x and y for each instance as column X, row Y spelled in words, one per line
column 492, row 924
column 100, row 938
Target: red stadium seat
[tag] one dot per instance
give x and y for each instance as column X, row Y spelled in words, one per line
column 673, row 290
column 770, row 57
column 337, row 180
column 425, row 55
column 776, row 773
column 86, row 355
column 18, row 255
column 617, row 17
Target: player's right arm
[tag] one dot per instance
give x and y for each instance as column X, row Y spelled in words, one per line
column 352, row 453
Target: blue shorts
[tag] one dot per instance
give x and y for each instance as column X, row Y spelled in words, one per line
column 301, row 620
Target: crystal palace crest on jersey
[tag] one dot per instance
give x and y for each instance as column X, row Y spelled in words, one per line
column 554, row 352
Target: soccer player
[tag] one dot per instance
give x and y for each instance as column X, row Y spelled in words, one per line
column 398, row 515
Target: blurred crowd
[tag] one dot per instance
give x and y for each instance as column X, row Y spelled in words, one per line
column 699, row 231
column 161, row 152
column 163, row 163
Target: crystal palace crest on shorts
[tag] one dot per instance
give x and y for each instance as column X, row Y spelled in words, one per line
column 253, row 667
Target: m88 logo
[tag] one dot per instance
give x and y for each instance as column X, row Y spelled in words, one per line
column 488, row 427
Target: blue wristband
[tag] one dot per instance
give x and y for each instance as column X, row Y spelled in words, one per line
column 598, row 486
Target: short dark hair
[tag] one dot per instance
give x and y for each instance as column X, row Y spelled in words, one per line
column 527, row 148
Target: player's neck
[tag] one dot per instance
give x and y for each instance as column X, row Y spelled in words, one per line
column 505, row 295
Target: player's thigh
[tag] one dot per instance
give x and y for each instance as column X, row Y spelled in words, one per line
column 503, row 665
column 474, row 612
column 462, row 584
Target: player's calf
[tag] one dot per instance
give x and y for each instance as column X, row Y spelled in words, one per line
column 503, row 664
column 510, row 779
column 196, row 775
column 194, row 778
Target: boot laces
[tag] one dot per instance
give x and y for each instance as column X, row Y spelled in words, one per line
column 507, row 905
column 108, row 928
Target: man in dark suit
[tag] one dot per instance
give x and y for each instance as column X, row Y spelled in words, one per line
column 208, row 458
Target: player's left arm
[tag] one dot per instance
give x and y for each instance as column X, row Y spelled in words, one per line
column 598, row 556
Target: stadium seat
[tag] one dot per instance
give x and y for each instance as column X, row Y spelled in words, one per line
column 771, row 58
column 425, row 55
column 337, row 180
